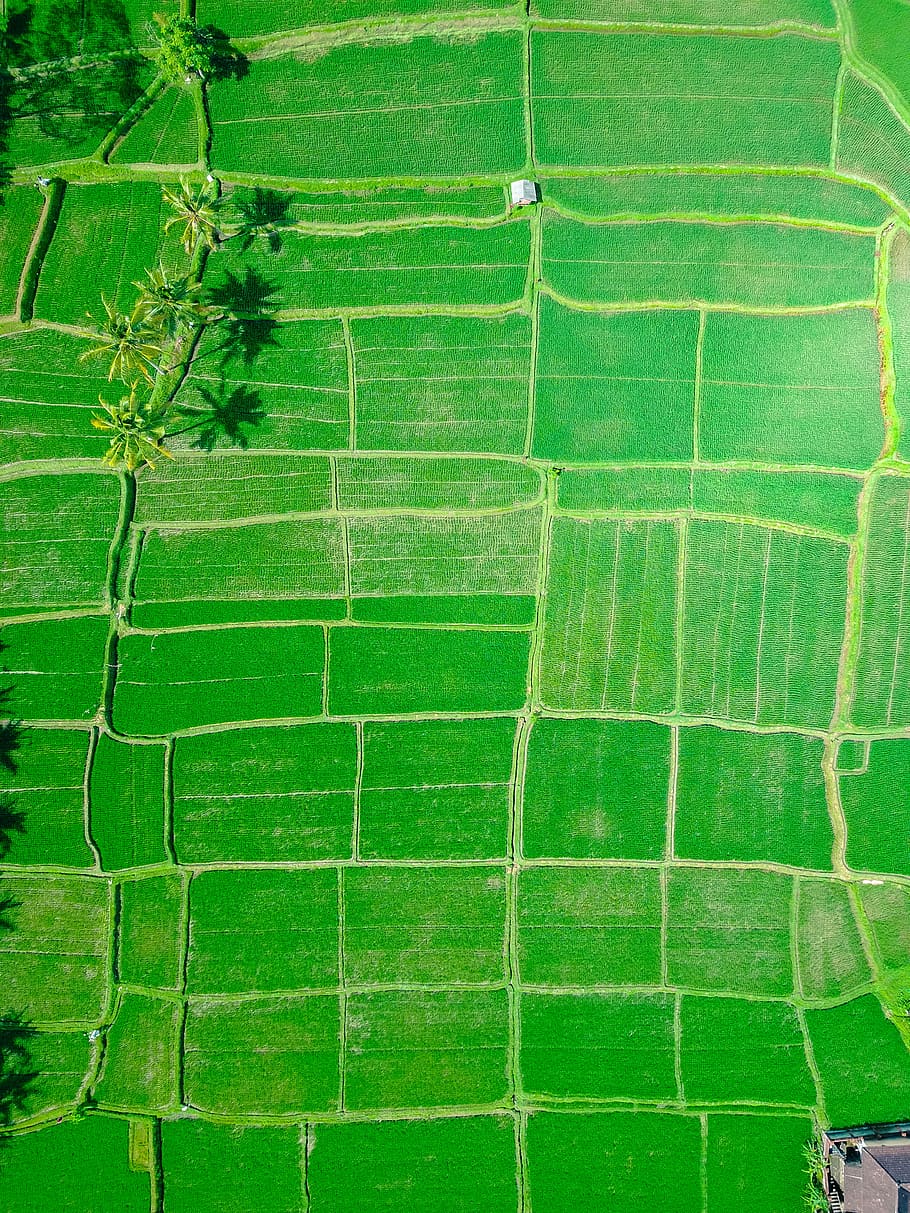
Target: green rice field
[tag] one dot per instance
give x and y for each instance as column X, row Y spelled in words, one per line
column 472, row 775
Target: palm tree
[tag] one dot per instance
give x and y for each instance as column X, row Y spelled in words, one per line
column 137, row 428
column 131, row 343
column 169, row 303
column 197, row 211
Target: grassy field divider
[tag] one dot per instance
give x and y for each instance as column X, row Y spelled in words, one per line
column 41, row 242
column 121, row 128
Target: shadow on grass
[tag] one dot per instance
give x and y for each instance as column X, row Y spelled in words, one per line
column 261, row 214
column 224, row 414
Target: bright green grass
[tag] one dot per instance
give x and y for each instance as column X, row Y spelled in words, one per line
column 417, row 382
column 398, row 483
column 738, row 1149
column 148, row 951
column 596, row 789
column 46, row 788
column 126, row 801
column 19, row 214
column 829, row 949
column 752, row 797
column 618, row 99
column 56, row 667
column 436, row 789
column 873, row 142
column 249, row 20
column 59, row 1064
column 360, row 111
column 214, row 1168
column 625, row 490
column 877, row 819
column 811, row 499
column 375, row 204
column 877, row 25
column 693, row 12
column 516, row 610
column 265, row 794
column 167, row 133
column 860, row 1085
column 791, row 389
column 614, row 387
column 450, row 1165
column 426, row 1049
column 609, row 623
column 729, row 931
column 888, row 914
column 140, row 1058
column 437, row 926
column 589, row 926
column 882, row 694
column 763, row 621
column 750, row 264
column 898, row 304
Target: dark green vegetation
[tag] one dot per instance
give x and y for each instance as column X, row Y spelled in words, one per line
column 472, row 773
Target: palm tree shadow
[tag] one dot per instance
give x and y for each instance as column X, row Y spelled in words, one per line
column 17, row 1075
column 261, row 214
column 247, row 322
column 230, row 415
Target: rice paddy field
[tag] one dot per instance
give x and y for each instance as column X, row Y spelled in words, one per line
column 473, row 775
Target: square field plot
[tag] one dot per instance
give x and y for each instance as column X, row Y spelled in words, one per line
column 256, row 383
column 175, row 680
column 151, row 931
column 392, row 671
column 729, row 930
column 54, row 958
column 262, row 1057
column 19, row 217
column 609, row 640
column 829, row 951
column 862, row 1060
column 257, row 931
column 436, row 789
column 126, row 802
column 419, row 108
column 751, row 264
column 738, row 1051
column 589, row 926
column 882, row 692
column 57, row 1065
column 791, row 389
column 632, row 99
column 876, row 806
column 612, row 1160
column 45, row 793
column 763, row 623
column 752, row 797
column 596, row 789
column 436, row 483
column 418, row 378
column 212, row 1168
column 421, row 1049
column 140, row 1057
column 167, row 133
column 265, row 794
column 55, row 667
column 737, row 1154
column 432, row 926
column 414, row 1166
column 614, row 386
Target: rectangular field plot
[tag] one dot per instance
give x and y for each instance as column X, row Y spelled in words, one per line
column 887, row 910
column 106, row 237
column 439, row 266
column 436, row 789
column 419, row 108
column 729, row 931
column 19, row 217
column 882, row 691
column 256, row 383
column 56, row 534
column 791, row 389
column 873, row 142
column 737, row 1149
column 58, row 1065
column 596, row 371
column 898, row 304
column 596, row 789
column 54, row 957
column 749, row 264
column 126, row 803
column 418, row 378
column 167, row 133
column 262, row 1057
column 876, row 807
column 738, row 1051
column 265, row 794
column 151, row 931
column 44, row 791
column 480, row 609
column 618, row 99
column 763, row 621
column 258, row 931
column 249, row 20
column 48, row 397
column 394, row 671
column 430, row 926
column 862, row 1060
column 752, row 797
column 423, row 1049
column 376, row 482
column 364, row 205
column 589, row 926
column 612, row 1158
column 414, row 1166
column 609, row 625
column 693, row 12
column 213, row 1168
column 810, row 499
column 140, row 1057
column 829, row 951
column 176, row 680
column 55, row 666
column 625, row 491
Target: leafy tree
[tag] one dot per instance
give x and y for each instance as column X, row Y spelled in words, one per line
column 137, row 430
column 186, row 51
column 129, row 340
column 197, row 210
column 169, row 303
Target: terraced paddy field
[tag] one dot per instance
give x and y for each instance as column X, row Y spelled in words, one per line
column 474, row 774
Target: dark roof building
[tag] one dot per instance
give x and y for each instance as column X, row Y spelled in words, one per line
column 867, row 1170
